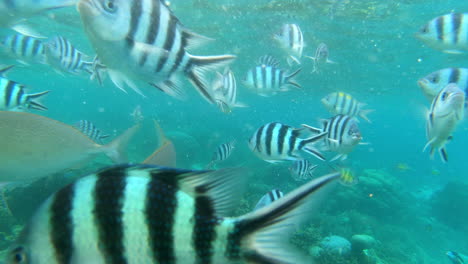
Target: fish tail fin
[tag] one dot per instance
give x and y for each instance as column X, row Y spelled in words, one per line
column 290, row 80
column 196, row 73
column 255, row 235
column 443, row 154
column 34, row 101
column 307, row 145
column 115, row 150
column 363, row 114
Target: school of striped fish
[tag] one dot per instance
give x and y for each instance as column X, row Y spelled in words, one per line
column 148, row 211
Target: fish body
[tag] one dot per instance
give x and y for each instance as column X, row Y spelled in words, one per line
column 225, row 92
column 434, row 82
column 139, row 214
column 268, row 198
column 149, row 38
column 38, row 146
column 456, row 258
column 90, row 130
column 25, row 49
column 267, row 78
column 342, row 132
column 223, row 152
column 62, row 55
column 276, row 142
column 447, row 33
column 302, row 170
column 447, row 109
column 321, row 57
column 291, row 39
column 340, row 103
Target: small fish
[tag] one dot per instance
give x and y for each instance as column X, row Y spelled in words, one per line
column 276, row 142
column 62, row 55
column 14, row 98
column 225, row 92
column 39, row 146
column 446, row 111
column 347, row 177
column 149, row 214
column 267, row 78
column 90, row 130
column 340, row 103
column 436, row 81
column 456, row 258
column 291, row 39
column 342, row 135
column 268, row 198
column 302, row 170
column 446, row 33
column 151, row 41
column 223, row 152
column 23, row 48
column 321, row 57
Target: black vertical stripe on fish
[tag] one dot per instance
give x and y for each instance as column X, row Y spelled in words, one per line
column 9, row 92
column 169, row 42
column 263, row 76
column 282, row 138
column 14, row 42
column 153, row 30
column 439, row 24
column 135, row 14
column 36, row 47
column 204, row 232
column 456, row 24
column 24, row 45
column 258, row 140
column 343, row 102
column 343, row 129
column 291, row 35
column 292, row 142
column 180, row 53
column 108, row 202
column 454, row 75
column 61, row 224
column 269, row 136
column 160, row 208
column 19, row 96
column 335, row 126
column 77, row 60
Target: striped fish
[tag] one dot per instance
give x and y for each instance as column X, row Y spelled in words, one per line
column 342, row 135
column 151, row 41
column 223, row 152
column 447, row 33
column 14, row 98
column 302, row 170
column 434, row 82
column 447, row 109
column 321, row 57
column 275, row 142
column 25, row 49
column 225, row 92
column 91, row 131
column 62, row 55
column 456, row 258
column 291, row 39
column 268, row 198
column 340, row 103
column 267, row 78
column 141, row 214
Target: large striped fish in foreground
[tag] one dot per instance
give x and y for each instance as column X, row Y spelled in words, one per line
column 140, row 214
column 434, row 82
column 276, row 142
column 446, row 111
column 447, row 33
column 143, row 40
column 34, row 146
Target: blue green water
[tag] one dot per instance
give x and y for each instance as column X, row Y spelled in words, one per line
column 378, row 61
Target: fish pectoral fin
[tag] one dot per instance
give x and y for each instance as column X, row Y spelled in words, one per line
column 443, row 154
column 171, row 88
column 428, row 144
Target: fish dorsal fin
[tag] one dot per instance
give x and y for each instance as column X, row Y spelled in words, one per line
column 268, row 60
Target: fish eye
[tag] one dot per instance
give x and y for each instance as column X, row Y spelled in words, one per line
column 434, row 78
column 19, row 255
column 110, row 6
column 425, row 29
column 444, row 96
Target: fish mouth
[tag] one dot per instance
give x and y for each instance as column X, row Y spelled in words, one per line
column 86, row 6
column 422, row 82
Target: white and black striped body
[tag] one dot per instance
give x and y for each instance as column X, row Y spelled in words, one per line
column 268, row 198
column 223, row 152
column 446, row 111
column 24, row 48
column 276, row 142
column 434, row 82
column 267, row 78
column 448, row 33
column 302, row 170
column 321, row 57
column 13, row 97
column 340, row 103
column 225, row 92
column 291, row 39
column 149, row 39
column 64, row 56
column 137, row 214
column 91, row 131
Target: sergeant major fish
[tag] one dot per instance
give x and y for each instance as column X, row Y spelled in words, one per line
column 447, row 109
column 302, row 170
column 321, row 57
column 90, row 130
column 225, row 92
column 140, row 214
column 456, row 258
column 267, row 78
column 291, row 39
column 344, row 104
column 223, row 152
column 447, row 33
column 62, row 55
column 276, row 142
column 150, row 40
column 23, row 48
column 268, row 198
column 432, row 83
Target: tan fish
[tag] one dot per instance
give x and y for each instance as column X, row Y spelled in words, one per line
column 35, row 146
column 165, row 154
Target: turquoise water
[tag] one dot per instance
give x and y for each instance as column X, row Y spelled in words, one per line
column 378, row 61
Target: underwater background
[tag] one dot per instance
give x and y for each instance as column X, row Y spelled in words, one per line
column 414, row 208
